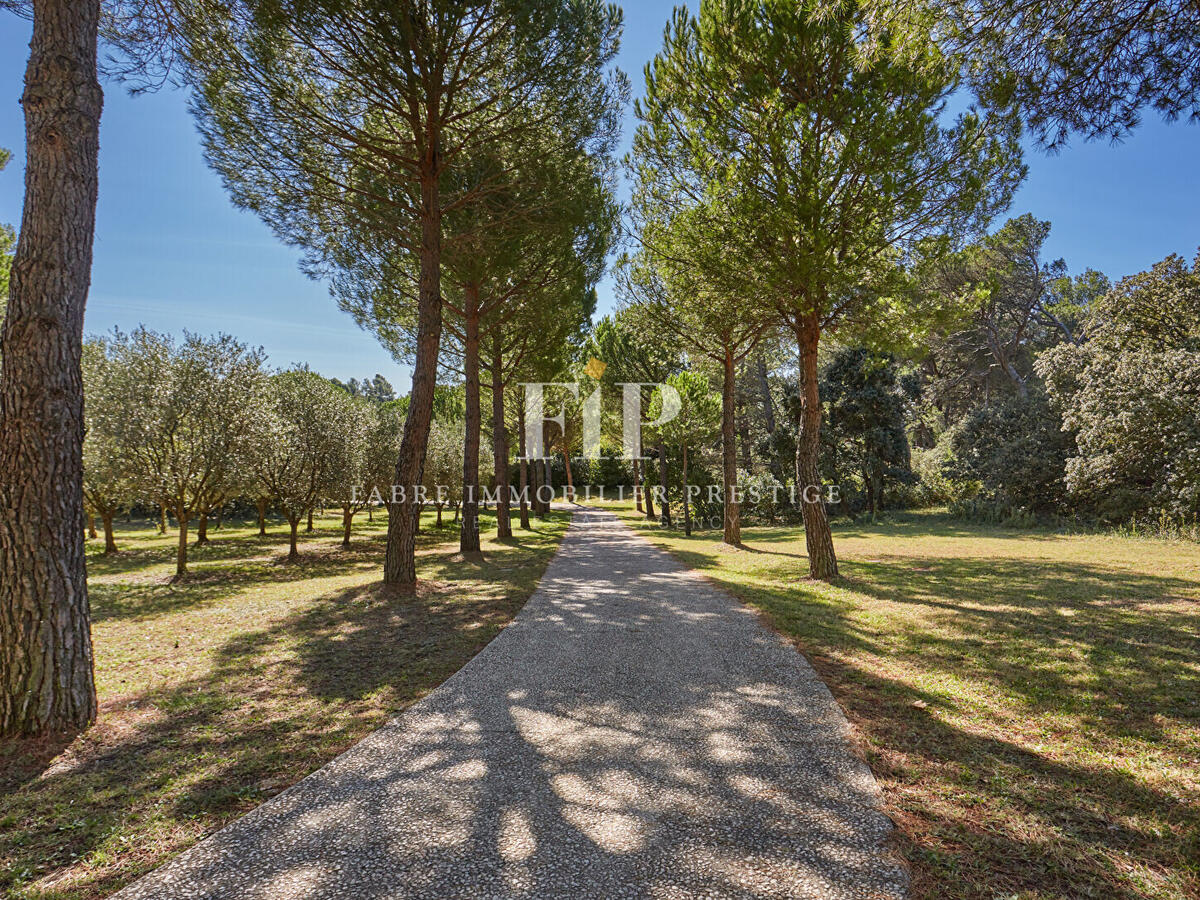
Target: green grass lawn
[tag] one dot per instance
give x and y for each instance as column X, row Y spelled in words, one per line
column 1030, row 702
column 220, row 691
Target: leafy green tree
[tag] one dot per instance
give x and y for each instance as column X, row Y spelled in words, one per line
column 696, row 424
column 827, row 151
column 866, row 401
column 1130, row 396
column 300, row 448
column 632, row 355
column 356, row 424
column 357, row 129
column 109, row 484
column 193, row 410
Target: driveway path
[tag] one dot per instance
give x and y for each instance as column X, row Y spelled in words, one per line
column 633, row 733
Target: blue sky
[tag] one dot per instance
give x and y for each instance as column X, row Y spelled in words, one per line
column 173, row 253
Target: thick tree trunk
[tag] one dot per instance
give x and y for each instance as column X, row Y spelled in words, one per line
column 468, row 537
column 347, row 524
column 261, row 505
column 293, row 548
column 500, row 441
column 400, row 564
column 637, row 486
column 733, row 516
column 822, row 561
column 523, row 499
column 202, row 529
column 46, row 682
column 687, row 503
column 181, row 554
column 666, row 485
column 649, row 496
column 110, row 540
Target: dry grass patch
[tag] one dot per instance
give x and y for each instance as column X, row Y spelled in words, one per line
column 1030, row 702
column 222, row 690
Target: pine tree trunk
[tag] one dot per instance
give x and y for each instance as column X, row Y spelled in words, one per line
column 500, row 441
column 687, row 501
column 261, row 505
column 666, row 485
column 347, row 524
column 523, row 499
column 468, row 538
column 822, row 561
column 637, row 486
column 46, row 682
column 733, row 515
column 110, row 540
column 400, row 564
column 648, row 494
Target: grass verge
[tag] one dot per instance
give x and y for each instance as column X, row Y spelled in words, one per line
column 1029, row 702
column 222, row 690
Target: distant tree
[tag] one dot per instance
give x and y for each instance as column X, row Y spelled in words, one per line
column 829, row 146
column 298, row 459
column 108, row 479
column 444, row 465
column 633, row 356
column 865, row 423
column 45, row 640
column 381, row 390
column 356, row 424
column 696, row 424
column 1130, row 396
column 194, row 409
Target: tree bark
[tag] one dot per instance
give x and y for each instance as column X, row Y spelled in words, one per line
column 293, row 549
column 649, row 496
column 822, row 561
column 666, row 485
column 468, row 537
column 202, row 529
column 687, row 502
column 91, row 527
column 400, row 564
column 523, row 499
column 500, row 440
column 110, row 540
column 261, row 505
column 46, row 680
column 347, row 524
column 162, row 518
column 309, row 529
column 567, row 466
column 637, row 486
column 733, row 517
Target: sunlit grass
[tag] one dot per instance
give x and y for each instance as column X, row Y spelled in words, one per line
column 220, row 691
column 1030, row 702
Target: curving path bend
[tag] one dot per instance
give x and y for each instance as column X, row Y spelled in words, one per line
column 634, row 732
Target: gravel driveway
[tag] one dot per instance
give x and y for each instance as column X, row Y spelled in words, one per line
column 633, row 733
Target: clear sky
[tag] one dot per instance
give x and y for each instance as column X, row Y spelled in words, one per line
column 172, row 252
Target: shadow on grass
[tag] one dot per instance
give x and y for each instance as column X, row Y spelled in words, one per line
column 1104, row 660
column 166, row 767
